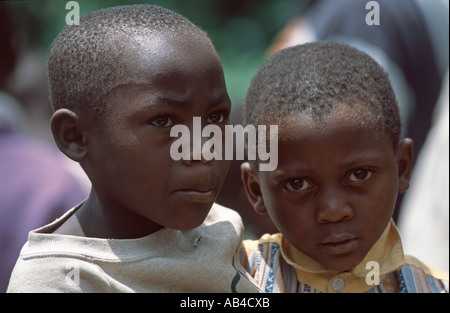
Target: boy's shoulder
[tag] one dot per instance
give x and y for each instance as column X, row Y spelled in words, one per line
column 265, row 240
column 46, row 274
column 221, row 213
column 427, row 269
column 252, row 250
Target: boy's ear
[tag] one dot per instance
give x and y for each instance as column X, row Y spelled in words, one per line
column 68, row 135
column 252, row 188
column 405, row 164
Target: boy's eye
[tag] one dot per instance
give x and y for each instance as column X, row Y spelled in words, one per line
column 215, row 118
column 297, row 185
column 360, row 176
column 162, row 121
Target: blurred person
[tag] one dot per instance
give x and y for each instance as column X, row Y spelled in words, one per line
column 37, row 184
column 424, row 217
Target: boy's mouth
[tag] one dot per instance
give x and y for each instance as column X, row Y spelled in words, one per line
column 198, row 195
column 340, row 244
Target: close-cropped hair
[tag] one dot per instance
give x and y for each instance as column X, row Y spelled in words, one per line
column 87, row 61
column 319, row 78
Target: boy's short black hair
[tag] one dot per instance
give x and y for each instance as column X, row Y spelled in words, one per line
column 315, row 78
column 84, row 61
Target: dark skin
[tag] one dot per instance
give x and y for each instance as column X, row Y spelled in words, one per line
column 137, row 188
column 335, row 187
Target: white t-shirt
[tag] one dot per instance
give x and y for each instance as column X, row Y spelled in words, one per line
column 199, row 260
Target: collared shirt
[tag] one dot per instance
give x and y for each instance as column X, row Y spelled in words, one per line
column 277, row 266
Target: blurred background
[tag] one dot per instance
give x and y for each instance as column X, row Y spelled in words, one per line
column 411, row 43
column 241, row 30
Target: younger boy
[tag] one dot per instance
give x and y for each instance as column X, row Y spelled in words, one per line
column 341, row 164
column 118, row 82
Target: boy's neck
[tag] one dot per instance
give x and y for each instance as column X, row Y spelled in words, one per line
column 95, row 220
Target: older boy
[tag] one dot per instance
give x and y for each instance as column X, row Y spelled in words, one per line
column 118, row 82
column 341, row 165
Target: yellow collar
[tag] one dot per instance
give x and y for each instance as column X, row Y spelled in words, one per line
column 387, row 252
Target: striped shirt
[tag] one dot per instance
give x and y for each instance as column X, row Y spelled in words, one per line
column 277, row 266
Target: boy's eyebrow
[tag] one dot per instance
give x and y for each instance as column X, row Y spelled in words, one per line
column 153, row 100
column 279, row 175
column 172, row 100
column 182, row 100
column 162, row 100
column 157, row 103
column 302, row 169
column 362, row 161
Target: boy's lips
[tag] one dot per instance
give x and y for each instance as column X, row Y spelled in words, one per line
column 201, row 194
column 340, row 244
column 199, row 187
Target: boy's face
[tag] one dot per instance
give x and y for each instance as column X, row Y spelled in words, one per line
column 168, row 82
column 334, row 190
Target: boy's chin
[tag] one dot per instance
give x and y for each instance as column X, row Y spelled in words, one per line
column 189, row 223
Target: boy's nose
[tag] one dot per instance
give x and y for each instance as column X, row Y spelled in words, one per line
column 332, row 206
column 200, row 153
column 190, row 160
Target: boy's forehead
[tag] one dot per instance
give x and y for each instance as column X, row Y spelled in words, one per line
column 165, row 67
column 340, row 119
column 160, row 53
